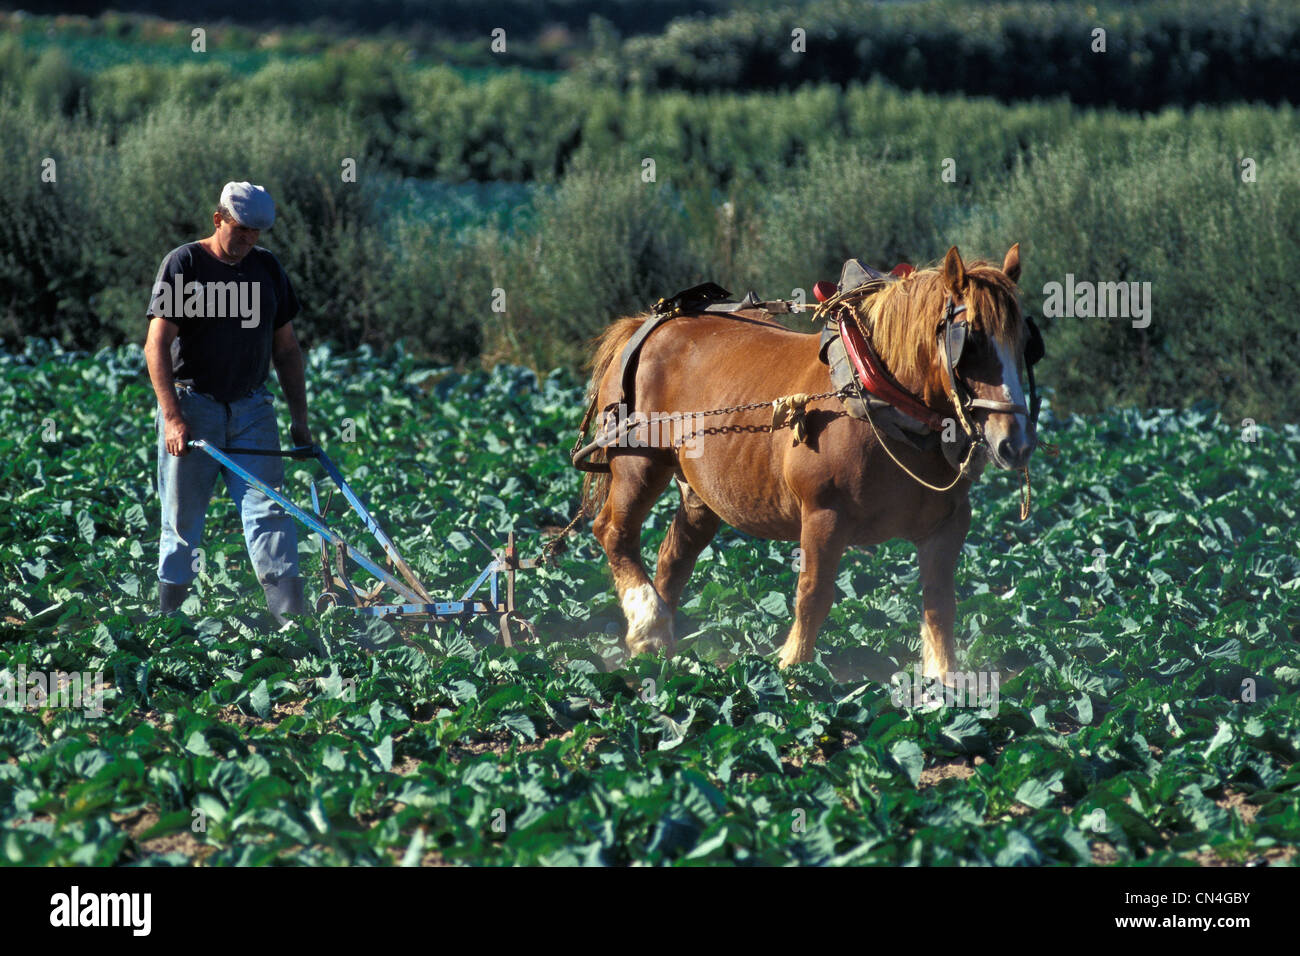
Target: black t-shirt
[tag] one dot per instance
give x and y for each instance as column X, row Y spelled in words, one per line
column 226, row 315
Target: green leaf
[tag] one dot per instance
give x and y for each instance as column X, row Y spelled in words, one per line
column 909, row 759
column 415, row 849
column 519, row 724
column 134, row 517
column 1222, row 737
column 86, row 527
column 1040, row 792
column 260, row 700
column 197, row 744
column 674, row 731
column 709, row 846
column 381, row 755
column 775, row 603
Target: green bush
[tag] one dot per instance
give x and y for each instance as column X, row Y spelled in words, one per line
column 605, row 244
column 1169, row 208
column 126, row 93
column 1217, row 251
column 510, row 126
column 77, row 256
column 46, row 228
column 843, row 203
column 769, row 191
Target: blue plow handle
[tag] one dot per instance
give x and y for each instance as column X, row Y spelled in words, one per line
column 311, row 521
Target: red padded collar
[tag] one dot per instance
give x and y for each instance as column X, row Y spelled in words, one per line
column 876, row 380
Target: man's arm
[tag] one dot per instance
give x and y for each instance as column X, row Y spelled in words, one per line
column 158, row 356
column 287, row 357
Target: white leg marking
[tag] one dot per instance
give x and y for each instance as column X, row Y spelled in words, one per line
column 649, row 622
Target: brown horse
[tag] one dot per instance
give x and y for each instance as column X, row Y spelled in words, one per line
column 840, row 487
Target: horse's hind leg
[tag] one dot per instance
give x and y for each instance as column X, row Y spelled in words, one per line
column 636, row 481
column 692, row 529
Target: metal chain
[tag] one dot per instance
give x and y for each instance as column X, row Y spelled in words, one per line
column 731, row 409
column 549, row 549
column 718, row 430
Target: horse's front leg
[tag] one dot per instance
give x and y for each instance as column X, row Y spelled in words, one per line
column 938, row 555
column 822, row 541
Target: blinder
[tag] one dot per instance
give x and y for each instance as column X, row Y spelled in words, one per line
column 954, row 335
column 1034, row 348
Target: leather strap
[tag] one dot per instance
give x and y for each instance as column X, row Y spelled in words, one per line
column 627, row 364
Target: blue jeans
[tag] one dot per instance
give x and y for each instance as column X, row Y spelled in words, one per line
column 185, row 486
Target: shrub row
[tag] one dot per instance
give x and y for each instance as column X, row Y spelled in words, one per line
column 78, row 255
column 436, row 123
column 1108, row 198
column 1157, row 53
column 1217, row 251
column 524, row 18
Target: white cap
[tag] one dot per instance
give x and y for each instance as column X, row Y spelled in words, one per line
column 252, row 206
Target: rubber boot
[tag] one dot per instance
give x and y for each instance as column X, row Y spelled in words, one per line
column 284, row 597
column 171, row 597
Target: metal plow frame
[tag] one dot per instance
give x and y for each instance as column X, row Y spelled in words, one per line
column 339, row 589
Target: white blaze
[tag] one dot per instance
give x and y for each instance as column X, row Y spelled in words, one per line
column 1011, row 391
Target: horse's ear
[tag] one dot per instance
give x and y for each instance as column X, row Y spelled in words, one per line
column 954, row 272
column 1011, row 264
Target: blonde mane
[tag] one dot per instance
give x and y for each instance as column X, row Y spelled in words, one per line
column 903, row 315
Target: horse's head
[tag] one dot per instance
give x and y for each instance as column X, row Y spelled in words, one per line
column 956, row 335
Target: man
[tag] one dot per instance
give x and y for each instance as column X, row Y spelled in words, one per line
column 221, row 311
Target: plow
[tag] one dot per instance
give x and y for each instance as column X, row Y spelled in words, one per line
column 492, row 592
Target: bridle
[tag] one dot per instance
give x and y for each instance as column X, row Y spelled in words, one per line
column 953, row 335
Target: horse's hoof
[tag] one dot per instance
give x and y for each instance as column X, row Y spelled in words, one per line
column 653, row 645
column 789, row 660
column 945, row 678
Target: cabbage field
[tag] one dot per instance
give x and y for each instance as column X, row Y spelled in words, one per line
column 1143, row 626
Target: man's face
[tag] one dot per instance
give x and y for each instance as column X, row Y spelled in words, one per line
column 234, row 240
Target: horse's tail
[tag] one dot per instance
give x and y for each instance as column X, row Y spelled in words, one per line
column 595, row 485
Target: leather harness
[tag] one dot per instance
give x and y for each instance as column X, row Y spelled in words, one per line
column 877, row 397
column 707, row 297
column 867, row 389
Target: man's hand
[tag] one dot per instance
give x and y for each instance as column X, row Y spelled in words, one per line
column 301, row 434
column 176, row 434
